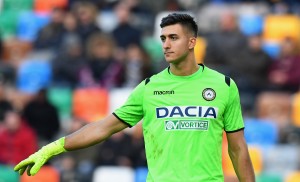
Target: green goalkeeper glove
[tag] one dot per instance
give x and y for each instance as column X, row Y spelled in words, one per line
column 35, row 161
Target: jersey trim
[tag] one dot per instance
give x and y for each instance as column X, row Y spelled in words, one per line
column 121, row 120
column 147, row 81
column 202, row 66
column 227, row 80
column 235, row 130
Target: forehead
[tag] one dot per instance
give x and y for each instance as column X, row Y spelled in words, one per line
column 173, row 29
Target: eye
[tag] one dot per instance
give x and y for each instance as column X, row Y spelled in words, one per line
column 173, row 38
column 163, row 39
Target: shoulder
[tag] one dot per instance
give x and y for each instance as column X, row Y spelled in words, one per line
column 217, row 77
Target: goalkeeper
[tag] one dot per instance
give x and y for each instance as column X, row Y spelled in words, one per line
column 185, row 109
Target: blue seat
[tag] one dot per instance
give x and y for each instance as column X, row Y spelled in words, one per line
column 272, row 49
column 251, row 24
column 281, row 159
column 33, row 75
column 261, row 132
column 141, row 174
column 29, row 24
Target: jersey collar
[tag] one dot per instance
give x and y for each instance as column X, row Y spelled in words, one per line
column 194, row 75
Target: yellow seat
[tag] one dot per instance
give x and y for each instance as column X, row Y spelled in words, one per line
column 293, row 177
column 200, row 49
column 278, row 27
column 256, row 158
column 296, row 109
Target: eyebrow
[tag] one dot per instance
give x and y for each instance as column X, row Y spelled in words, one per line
column 170, row 35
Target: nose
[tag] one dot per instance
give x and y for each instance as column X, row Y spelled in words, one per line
column 166, row 44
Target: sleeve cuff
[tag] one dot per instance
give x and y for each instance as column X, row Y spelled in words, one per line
column 235, row 130
column 121, row 120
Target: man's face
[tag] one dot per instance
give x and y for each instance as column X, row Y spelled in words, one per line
column 175, row 42
column 12, row 121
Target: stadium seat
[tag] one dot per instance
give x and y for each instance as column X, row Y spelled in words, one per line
column 29, row 24
column 8, row 23
column 293, row 177
column 200, row 49
column 42, row 6
column 90, row 104
column 275, row 106
column 256, row 158
column 278, row 27
column 266, row 177
column 141, row 174
column 272, row 48
column 153, row 48
column 33, row 75
column 261, row 132
column 7, row 174
column 17, row 5
column 280, row 159
column 296, row 109
column 251, row 24
column 117, row 97
column 61, row 97
column 45, row 174
column 113, row 174
column 107, row 21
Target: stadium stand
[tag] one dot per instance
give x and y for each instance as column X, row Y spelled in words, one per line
column 272, row 128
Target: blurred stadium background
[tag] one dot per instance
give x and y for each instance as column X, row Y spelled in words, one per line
column 64, row 63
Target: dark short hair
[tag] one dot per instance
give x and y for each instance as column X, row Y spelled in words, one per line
column 185, row 20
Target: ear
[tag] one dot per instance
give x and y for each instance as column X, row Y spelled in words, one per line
column 192, row 42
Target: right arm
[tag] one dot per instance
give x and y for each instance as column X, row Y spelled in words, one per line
column 94, row 133
column 88, row 135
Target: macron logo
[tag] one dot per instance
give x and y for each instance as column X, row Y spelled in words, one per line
column 165, row 92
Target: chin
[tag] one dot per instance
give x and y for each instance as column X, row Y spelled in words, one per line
column 169, row 60
column 172, row 61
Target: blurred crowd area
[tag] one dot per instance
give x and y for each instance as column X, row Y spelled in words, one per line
column 65, row 63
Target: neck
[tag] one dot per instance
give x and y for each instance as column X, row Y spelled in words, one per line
column 185, row 67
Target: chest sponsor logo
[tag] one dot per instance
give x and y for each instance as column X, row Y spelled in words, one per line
column 186, row 125
column 186, row 112
column 164, row 92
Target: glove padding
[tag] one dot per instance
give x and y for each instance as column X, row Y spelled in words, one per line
column 35, row 161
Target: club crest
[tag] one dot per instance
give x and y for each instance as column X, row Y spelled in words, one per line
column 209, row 94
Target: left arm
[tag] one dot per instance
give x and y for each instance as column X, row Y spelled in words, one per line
column 239, row 155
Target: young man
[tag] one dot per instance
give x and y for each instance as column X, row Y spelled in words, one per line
column 185, row 108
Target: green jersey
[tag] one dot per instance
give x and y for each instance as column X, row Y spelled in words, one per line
column 184, row 118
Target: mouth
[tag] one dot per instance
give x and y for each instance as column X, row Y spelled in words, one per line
column 166, row 53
